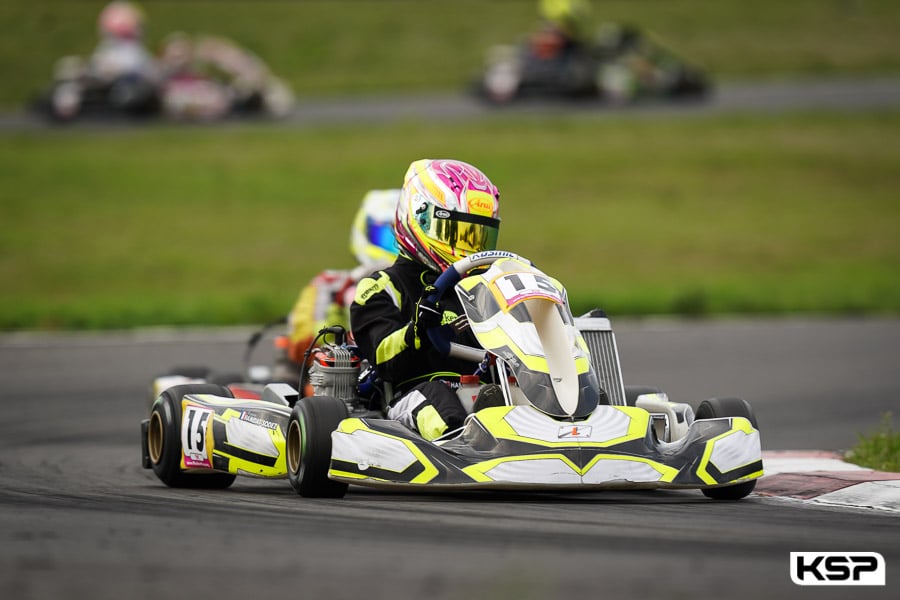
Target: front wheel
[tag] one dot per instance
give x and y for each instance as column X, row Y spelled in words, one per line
column 308, row 446
column 715, row 408
column 164, row 439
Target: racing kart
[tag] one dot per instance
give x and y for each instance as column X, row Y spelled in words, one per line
column 75, row 91
column 621, row 65
column 566, row 420
column 207, row 79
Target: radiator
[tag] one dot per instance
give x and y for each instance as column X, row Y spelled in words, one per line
column 601, row 342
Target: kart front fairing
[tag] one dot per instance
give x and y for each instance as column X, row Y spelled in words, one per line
column 519, row 447
column 521, row 315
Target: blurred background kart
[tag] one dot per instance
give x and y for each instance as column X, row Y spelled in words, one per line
column 198, row 78
column 621, row 64
column 120, row 77
column 212, row 77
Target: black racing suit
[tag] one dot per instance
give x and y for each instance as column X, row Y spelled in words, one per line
column 382, row 320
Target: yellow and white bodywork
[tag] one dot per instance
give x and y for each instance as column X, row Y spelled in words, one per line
column 558, row 428
column 519, row 447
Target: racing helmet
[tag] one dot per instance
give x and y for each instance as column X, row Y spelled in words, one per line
column 176, row 52
column 372, row 238
column 448, row 209
column 569, row 16
column 121, row 20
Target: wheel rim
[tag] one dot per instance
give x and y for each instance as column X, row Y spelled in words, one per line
column 294, row 447
column 155, row 437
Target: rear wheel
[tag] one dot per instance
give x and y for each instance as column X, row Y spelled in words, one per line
column 164, row 439
column 715, row 408
column 191, row 371
column 308, row 446
column 633, row 391
column 226, row 378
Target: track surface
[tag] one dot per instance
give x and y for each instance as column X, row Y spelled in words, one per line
column 760, row 97
column 79, row 518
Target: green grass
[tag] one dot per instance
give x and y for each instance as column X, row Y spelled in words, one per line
column 756, row 214
column 879, row 449
column 373, row 46
column 731, row 214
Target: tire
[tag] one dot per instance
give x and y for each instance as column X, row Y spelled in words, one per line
column 226, row 378
column 715, row 408
column 190, row 371
column 633, row 391
column 727, row 407
column 164, row 439
column 308, row 447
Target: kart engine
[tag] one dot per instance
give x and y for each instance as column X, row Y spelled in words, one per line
column 335, row 372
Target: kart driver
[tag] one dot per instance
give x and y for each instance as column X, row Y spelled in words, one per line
column 564, row 28
column 120, row 53
column 448, row 209
column 325, row 300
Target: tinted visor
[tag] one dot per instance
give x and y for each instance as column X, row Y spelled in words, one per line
column 464, row 232
column 382, row 235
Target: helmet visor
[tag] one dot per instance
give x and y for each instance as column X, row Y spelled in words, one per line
column 381, row 234
column 464, row 232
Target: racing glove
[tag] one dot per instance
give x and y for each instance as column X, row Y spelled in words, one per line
column 428, row 315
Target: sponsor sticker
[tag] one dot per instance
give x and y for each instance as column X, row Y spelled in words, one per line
column 257, row 420
column 195, row 422
column 574, row 431
column 837, row 568
column 480, row 203
column 493, row 253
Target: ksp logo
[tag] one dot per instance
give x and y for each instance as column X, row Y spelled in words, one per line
column 837, row 568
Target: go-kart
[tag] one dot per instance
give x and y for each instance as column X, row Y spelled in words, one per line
column 621, row 65
column 77, row 92
column 566, row 421
column 207, row 79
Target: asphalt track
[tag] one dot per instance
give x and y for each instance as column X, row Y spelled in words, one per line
column 768, row 97
column 79, row 518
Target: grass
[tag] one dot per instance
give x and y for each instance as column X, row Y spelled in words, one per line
column 879, row 449
column 755, row 214
column 327, row 47
column 728, row 214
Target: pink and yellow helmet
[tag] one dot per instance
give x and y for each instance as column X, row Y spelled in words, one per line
column 448, row 209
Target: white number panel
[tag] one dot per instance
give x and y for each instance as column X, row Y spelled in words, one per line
column 195, row 421
column 516, row 287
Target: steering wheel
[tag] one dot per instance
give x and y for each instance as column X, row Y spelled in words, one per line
column 446, row 282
